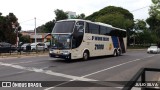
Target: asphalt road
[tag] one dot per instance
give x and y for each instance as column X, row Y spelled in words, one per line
column 44, row 68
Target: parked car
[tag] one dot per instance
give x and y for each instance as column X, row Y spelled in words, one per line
column 153, row 49
column 7, row 47
column 38, row 46
column 23, row 47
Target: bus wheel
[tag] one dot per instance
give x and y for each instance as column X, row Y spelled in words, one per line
column 85, row 55
column 115, row 53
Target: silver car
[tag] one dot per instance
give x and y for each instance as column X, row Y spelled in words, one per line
column 153, row 49
column 23, row 47
column 38, row 46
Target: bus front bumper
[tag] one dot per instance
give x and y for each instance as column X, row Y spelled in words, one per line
column 64, row 56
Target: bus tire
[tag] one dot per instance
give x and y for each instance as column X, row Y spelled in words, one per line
column 115, row 53
column 85, row 55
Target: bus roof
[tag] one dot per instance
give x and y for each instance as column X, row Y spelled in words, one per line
column 99, row 23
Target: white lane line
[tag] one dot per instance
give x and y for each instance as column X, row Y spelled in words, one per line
column 101, row 71
column 59, row 84
column 22, row 62
column 115, row 66
column 48, row 72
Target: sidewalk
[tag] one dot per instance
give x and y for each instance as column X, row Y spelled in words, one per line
column 22, row 55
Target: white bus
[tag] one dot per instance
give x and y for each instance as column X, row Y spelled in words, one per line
column 76, row 38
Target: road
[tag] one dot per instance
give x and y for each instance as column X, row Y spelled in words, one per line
column 44, row 68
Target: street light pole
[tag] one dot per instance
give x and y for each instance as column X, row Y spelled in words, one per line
column 35, row 31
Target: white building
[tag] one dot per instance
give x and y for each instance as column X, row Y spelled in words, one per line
column 71, row 15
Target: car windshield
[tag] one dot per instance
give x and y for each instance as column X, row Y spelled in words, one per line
column 61, row 41
column 64, row 27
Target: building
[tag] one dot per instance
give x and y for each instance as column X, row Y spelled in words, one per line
column 71, row 15
column 41, row 37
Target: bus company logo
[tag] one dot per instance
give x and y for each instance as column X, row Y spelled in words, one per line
column 6, row 84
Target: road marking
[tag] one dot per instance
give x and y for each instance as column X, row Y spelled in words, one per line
column 33, row 62
column 48, row 72
column 102, row 71
column 115, row 66
column 22, row 62
column 21, row 56
column 59, row 84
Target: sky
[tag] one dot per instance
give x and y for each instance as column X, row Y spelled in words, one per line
column 43, row 10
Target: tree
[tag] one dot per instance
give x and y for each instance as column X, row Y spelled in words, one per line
column 60, row 15
column 47, row 27
column 140, row 25
column 115, row 16
column 154, row 19
column 25, row 39
column 7, row 31
column 81, row 16
column 155, row 9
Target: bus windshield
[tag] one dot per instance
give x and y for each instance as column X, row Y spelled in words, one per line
column 64, row 27
column 61, row 41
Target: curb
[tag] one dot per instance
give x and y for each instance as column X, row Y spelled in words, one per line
column 22, row 56
column 136, row 49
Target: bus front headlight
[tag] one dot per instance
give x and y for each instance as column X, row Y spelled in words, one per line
column 51, row 51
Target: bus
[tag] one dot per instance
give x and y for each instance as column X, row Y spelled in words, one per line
column 82, row 39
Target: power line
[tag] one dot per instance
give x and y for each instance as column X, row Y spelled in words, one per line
column 42, row 20
column 26, row 20
column 139, row 9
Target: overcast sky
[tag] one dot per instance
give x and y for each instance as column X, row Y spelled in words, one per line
column 43, row 10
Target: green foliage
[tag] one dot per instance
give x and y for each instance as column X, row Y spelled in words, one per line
column 155, row 9
column 154, row 20
column 7, row 32
column 60, row 15
column 47, row 27
column 140, row 25
column 81, row 16
column 25, row 39
column 116, row 16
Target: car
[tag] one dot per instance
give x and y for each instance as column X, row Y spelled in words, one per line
column 23, row 47
column 7, row 47
column 153, row 49
column 39, row 46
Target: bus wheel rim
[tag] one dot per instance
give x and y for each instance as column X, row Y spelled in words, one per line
column 85, row 56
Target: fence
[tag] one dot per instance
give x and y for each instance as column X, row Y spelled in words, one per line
column 18, row 52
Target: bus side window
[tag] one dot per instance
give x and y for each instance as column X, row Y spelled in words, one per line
column 79, row 26
column 93, row 28
column 87, row 28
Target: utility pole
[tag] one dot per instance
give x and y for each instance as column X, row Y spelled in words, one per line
column 17, row 40
column 16, row 31
column 35, row 35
